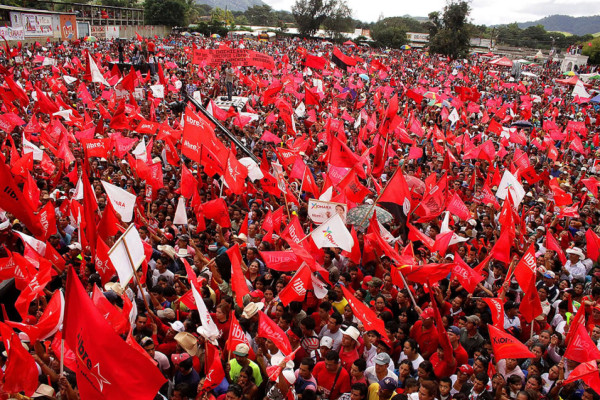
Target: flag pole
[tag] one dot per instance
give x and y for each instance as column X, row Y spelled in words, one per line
column 62, row 355
column 407, row 288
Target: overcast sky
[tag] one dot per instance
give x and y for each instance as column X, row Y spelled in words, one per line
column 488, row 12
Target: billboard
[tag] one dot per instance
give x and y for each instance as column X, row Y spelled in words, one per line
column 37, row 25
column 68, row 27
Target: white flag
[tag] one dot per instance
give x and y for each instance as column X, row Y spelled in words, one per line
column 208, row 327
column 300, row 110
column 122, row 200
column 140, row 150
column 96, row 74
column 78, row 195
column 445, row 228
column 127, row 254
column 509, row 182
column 180, row 214
column 158, row 91
column 29, row 147
column 333, row 233
column 319, row 288
column 254, row 171
column 453, row 117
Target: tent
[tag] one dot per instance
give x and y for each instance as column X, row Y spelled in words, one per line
column 349, row 43
column 569, row 81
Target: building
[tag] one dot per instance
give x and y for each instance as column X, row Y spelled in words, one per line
column 21, row 24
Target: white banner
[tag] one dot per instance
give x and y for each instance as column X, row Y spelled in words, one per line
column 127, row 254
column 12, row 33
column 37, row 25
column 320, row 211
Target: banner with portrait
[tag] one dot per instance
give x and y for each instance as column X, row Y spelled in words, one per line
column 320, row 211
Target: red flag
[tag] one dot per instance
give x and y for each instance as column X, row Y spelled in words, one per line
column 457, row 207
column 49, row 323
column 21, row 373
column 267, row 328
column 109, row 223
column 213, row 368
column 497, row 308
column 530, row 306
column 238, row 281
column 588, row 373
column 396, row 195
column 47, row 216
column 235, row 174
column 13, row 201
column 217, row 210
column 365, row 314
column 340, row 155
column 505, row 345
column 236, row 335
column 552, row 244
column 295, row 290
column 35, row 286
column 89, row 212
column 112, row 315
column 526, row 269
column 582, row 348
column 102, row 262
column 467, row 277
column 107, row 367
column 593, row 244
column 354, row 255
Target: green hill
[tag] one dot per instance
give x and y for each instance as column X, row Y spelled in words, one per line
column 565, row 23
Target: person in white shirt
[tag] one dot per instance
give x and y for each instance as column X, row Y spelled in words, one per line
column 574, row 267
column 332, row 330
column 511, row 320
column 381, row 369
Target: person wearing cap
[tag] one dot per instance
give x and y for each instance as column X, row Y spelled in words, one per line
column 332, row 330
column 470, row 338
column 574, row 269
column 383, row 368
column 549, row 282
column 185, row 373
column 383, row 389
column 241, row 360
column 183, row 242
column 425, row 333
column 332, row 379
column 349, row 348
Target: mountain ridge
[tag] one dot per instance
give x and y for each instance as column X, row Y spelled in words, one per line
column 232, row 5
column 566, row 23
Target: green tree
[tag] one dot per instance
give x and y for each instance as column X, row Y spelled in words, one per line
column 449, row 34
column 261, row 15
column 220, row 15
column 165, row 12
column 390, row 32
column 593, row 51
column 311, row 14
column 339, row 19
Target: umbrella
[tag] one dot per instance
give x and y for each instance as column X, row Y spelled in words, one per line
column 596, row 99
column 522, row 124
column 405, row 47
column 597, row 76
column 569, row 73
column 364, row 77
column 215, row 35
column 91, row 39
column 359, row 216
column 415, row 184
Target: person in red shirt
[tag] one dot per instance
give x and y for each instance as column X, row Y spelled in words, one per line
column 444, row 363
column 460, row 353
column 425, row 333
column 349, row 348
column 332, row 379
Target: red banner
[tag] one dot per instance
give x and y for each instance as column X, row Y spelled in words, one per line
column 237, row 58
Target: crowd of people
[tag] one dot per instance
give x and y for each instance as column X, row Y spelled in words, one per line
column 406, row 313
